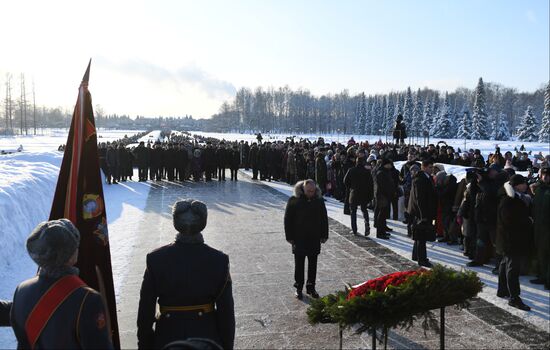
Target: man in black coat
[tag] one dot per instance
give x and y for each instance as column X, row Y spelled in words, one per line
column 514, row 227
column 234, row 162
column 208, row 161
column 422, row 208
column 253, row 160
column 156, row 162
column 221, row 161
column 142, row 160
column 306, row 227
column 192, row 285
column 5, row 307
column 112, row 160
column 486, row 204
column 170, row 161
column 384, row 191
column 360, row 186
column 182, row 162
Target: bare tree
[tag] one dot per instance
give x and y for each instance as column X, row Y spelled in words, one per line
column 8, row 103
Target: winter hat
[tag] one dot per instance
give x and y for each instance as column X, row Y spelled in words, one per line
column 495, row 167
column 52, row 243
column 517, row 179
column 189, row 216
column 386, row 161
column 371, row 158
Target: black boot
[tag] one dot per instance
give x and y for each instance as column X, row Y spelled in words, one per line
column 518, row 303
column 298, row 294
column 312, row 293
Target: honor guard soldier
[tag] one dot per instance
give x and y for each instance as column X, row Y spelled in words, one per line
column 55, row 309
column 191, row 283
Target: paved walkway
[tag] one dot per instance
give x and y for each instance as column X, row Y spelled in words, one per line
column 245, row 221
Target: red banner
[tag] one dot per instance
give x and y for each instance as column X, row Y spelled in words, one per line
column 79, row 198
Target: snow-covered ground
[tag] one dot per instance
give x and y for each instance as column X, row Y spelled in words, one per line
column 51, row 139
column 400, row 243
column 27, row 185
column 485, row 146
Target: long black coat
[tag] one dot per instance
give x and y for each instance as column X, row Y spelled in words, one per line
column 384, row 186
column 142, row 156
column 78, row 323
column 306, row 222
column 423, row 199
column 360, row 185
column 184, row 274
column 487, row 202
column 5, row 307
column 514, row 226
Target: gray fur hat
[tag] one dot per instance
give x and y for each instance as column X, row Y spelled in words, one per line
column 52, row 243
column 189, row 216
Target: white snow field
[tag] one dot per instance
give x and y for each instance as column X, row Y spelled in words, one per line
column 27, row 186
column 485, row 146
column 51, row 139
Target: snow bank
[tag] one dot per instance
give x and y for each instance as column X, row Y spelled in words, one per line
column 27, row 185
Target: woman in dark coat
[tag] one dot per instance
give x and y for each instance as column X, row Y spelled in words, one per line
column 306, row 227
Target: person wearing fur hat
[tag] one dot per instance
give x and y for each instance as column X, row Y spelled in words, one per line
column 306, row 227
column 359, row 184
column 514, row 228
column 77, row 319
column 191, row 283
column 384, row 192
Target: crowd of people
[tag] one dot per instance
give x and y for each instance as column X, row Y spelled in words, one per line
column 471, row 212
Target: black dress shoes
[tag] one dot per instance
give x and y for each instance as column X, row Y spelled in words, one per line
column 313, row 293
column 518, row 304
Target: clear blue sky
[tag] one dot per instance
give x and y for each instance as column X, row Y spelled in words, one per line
column 176, row 57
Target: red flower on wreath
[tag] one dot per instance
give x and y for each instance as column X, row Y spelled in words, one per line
column 381, row 283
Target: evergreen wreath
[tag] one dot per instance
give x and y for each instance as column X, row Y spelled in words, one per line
column 397, row 299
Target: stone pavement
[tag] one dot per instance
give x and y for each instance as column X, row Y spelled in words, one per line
column 246, row 222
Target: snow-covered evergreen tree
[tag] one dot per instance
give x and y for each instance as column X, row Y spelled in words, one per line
column 527, row 131
column 383, row 111
column 464, row 125
column 479, row 118
column 434, row 112
column 544, row 133
column 444, row 123
column 427, row 117
column 390, row 114
column 375, row 117
column 399, row 103
column 500, row 128
column 418, row 110
column 408, row 109
column 362, row 118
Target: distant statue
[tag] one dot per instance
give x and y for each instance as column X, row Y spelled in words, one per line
column 400, row 130
column 259, row 137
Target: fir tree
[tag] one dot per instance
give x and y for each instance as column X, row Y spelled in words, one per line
column 544, row 133
column 464, row 126
column 479, row 118
column 500, row 128
column 418, row 110
column 434, row 113
column 408, row 109
column 362, row 117
column 390, row 114
column 383, row 111
column 427, row 118
column 527, row 130
column 444, row 123
column 375, row 117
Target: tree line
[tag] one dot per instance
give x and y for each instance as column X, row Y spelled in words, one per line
column 490, row 111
